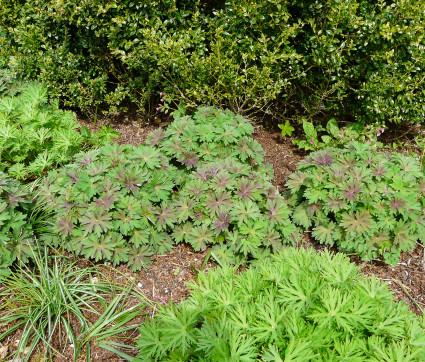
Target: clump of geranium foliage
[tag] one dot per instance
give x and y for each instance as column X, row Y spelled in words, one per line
column 208, row 135
column 16, row 232
column 35, row 135
column 235, row 206
column 113, row 203
column 366, row 202
column 298, row 306
column 125, row 203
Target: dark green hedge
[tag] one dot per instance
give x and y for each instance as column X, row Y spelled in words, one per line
column 352, row 58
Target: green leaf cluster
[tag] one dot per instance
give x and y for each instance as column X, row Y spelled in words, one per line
column 236, row 208
column 112, row 203
column 299, row 306
column 357, row 59
column 365, row 202
column 16, row 232
column 35, row 135
column 208, row 135
column 318, row 137
column 202, row 181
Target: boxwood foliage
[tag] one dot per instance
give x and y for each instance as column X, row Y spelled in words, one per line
column 290, row 59
column 365, row 202
column 16, row 231
column 202, row 181
column 299, row 306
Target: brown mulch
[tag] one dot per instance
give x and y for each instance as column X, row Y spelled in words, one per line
column 164, row 280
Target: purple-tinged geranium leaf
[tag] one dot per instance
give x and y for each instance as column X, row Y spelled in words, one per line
column 139, row 258
column 106, row 201
column 380, row 171
column 189, row 158
column 200, row 237
column 204, row 175
column 254, row 230
column 273, row 239
column 160, row 188
column 125, row 222
column 147, row 157
column 277, row 212
column 64, row 226
column 324, row 159
column 245, row 189
column 195, row 189
column 184, row 208
column 325, row 233
column 396, row 204
column 357, row 222
column 334, row 203
column 139, row 237
column 244, row 211
column 221, row 223
column 359, row 174
column 222, row 181
column 295, row 181
column 218, row 201
column 181, row 232
column 166, row 216
column 155, row 137
column 97, row 168
column 96, row 222
column 350, row 190
column 129, row 204
column 348, row 161
column 99, row 248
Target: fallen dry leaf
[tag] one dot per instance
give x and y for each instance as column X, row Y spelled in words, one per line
column 3, row 352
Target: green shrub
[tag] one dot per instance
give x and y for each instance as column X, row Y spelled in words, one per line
column 16, row 232
column 299, row 306
column 36, row 136
column 366, row 202
column 355, row 58
column 364, row 58
column 124, row 203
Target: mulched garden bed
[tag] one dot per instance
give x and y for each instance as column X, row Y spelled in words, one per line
column 406, row 279
column 164, row 280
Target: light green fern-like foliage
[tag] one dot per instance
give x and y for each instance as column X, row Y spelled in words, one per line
column 365, row 202
column 16, row 233
column 301, row 306
column 36, row 135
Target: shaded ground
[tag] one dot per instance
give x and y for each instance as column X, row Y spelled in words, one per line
column 166, row 276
